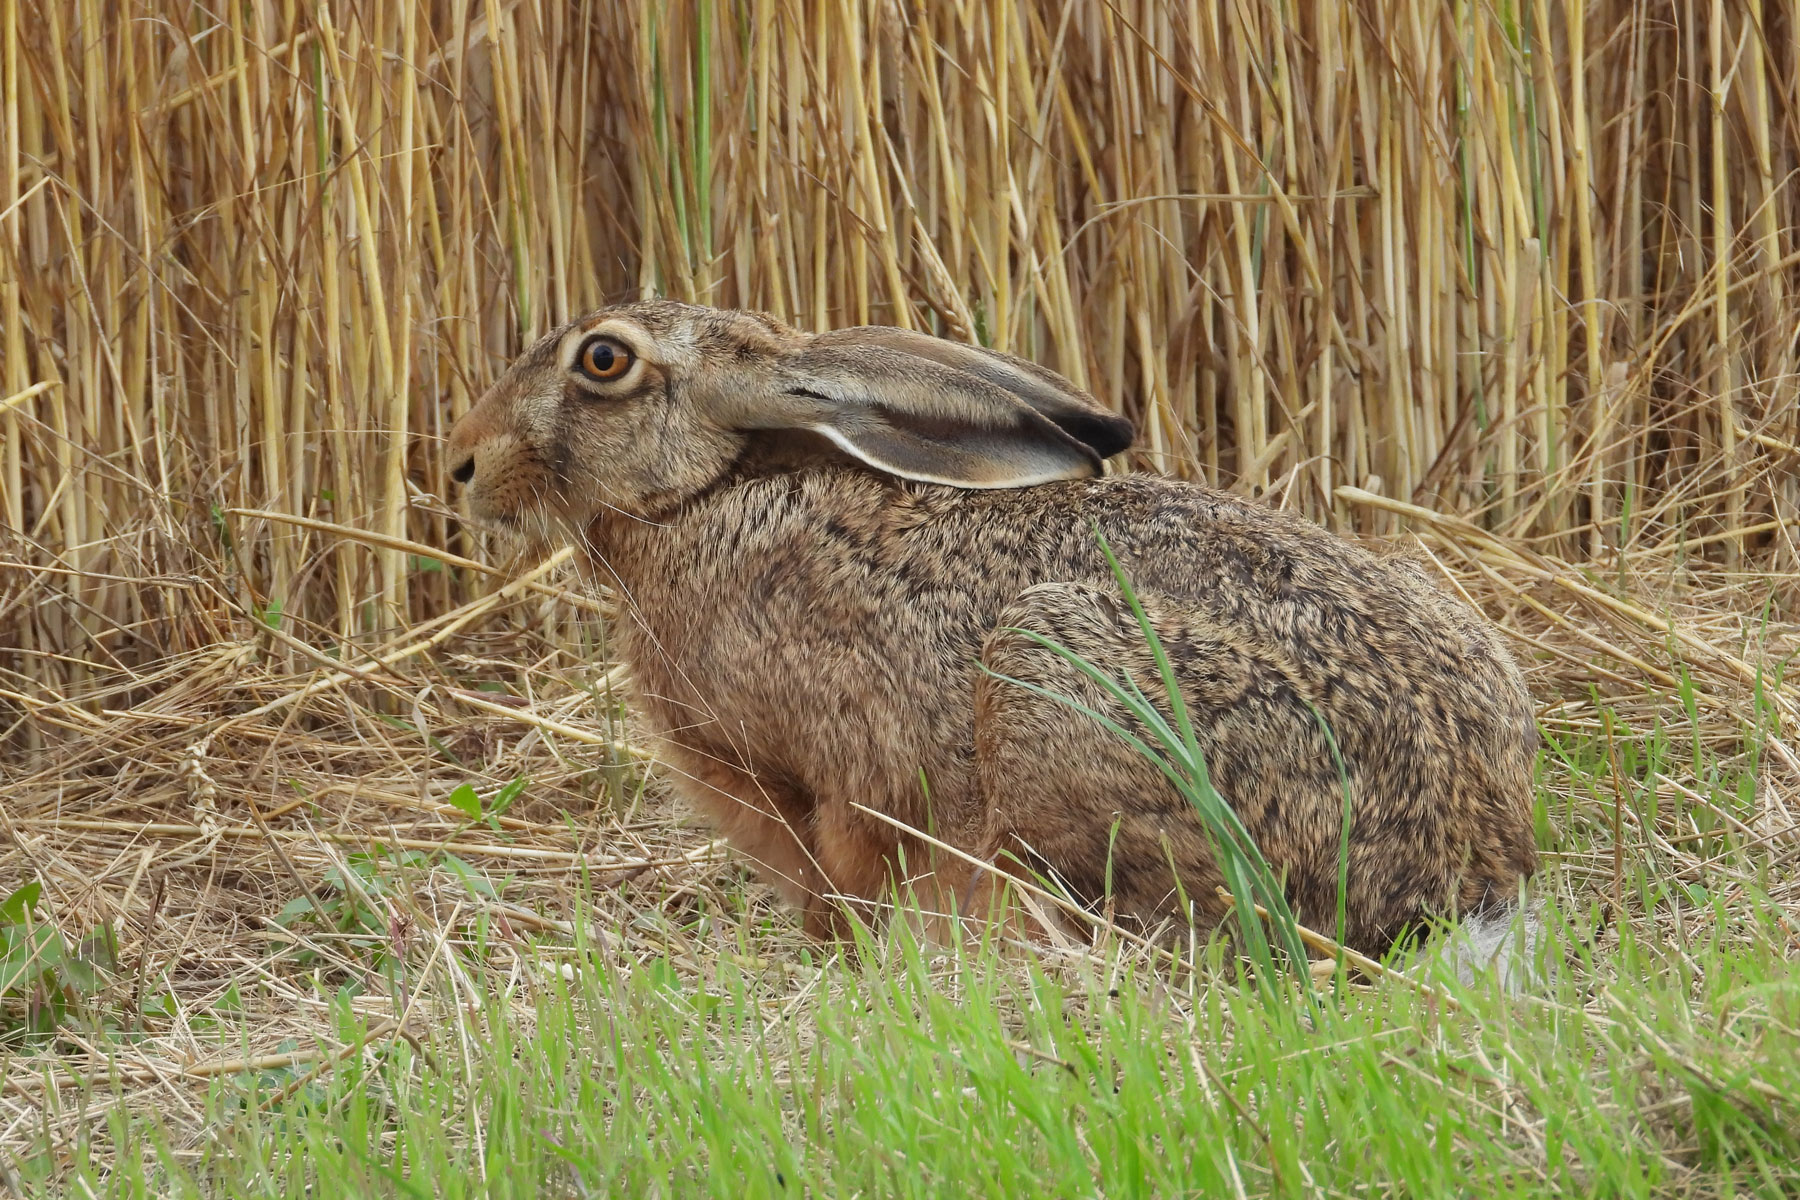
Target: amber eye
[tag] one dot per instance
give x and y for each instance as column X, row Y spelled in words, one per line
column 604, row 359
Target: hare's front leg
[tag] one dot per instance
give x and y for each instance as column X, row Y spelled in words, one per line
column 818, row 855
column 766, row 820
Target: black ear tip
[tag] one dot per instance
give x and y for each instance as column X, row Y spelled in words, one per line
column 1124, row 433
column 1107, row 433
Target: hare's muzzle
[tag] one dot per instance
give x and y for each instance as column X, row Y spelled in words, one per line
column 476, row 457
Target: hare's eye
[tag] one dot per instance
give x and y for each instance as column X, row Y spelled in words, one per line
column 604, row 359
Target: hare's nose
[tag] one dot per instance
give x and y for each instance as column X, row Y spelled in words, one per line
column 465, row 470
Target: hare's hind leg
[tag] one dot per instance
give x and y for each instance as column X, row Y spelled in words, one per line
column 1070, row 798
column 1066, row 798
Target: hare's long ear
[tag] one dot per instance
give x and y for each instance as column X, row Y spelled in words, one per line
column 1074, row 411
column 926, row 409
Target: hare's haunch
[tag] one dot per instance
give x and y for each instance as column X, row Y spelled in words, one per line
column 821, row 544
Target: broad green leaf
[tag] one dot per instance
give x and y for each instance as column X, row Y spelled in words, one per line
column 465, row 800
column 21, row 901
column 506, row 795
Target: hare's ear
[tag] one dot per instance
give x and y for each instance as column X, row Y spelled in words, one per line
column 1072, row 410
column 925, row 409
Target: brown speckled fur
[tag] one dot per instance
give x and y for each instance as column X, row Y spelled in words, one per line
column 807, row 634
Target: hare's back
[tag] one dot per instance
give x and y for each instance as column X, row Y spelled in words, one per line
column 1369, row 635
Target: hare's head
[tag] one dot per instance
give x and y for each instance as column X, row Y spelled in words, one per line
column 636, row 408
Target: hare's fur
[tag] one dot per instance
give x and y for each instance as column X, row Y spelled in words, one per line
column 808, row 634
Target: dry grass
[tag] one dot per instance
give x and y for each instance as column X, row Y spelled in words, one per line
column 1519, row 282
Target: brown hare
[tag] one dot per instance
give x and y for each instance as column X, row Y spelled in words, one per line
column 822, row 545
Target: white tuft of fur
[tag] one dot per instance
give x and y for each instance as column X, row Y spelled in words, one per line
column 1503, row 943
